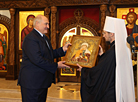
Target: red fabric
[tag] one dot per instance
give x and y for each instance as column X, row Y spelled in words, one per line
column 66, row 13
column 129, row 31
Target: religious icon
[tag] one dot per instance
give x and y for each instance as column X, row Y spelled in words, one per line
column 83, row 54
column 131, row 23
column 3, row 47
column 130, row 16
column 26, row 24
column 26, row 30
column 83, row 51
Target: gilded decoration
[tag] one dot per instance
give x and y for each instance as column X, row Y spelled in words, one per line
column 83, row 51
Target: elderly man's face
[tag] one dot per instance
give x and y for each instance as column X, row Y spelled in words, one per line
column 44, row 25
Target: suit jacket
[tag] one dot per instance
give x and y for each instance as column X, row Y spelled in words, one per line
column 38, row 66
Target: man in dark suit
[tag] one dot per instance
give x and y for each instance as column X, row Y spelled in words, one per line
column 38, row 68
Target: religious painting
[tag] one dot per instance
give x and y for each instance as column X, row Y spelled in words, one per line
column 130, row 16
column 3, row 47
column 83, row 51
column 26, row 24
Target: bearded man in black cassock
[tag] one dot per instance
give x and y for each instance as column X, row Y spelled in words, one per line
column 103, row 83
column 98, row 83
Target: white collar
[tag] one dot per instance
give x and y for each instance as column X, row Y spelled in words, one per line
column 39, row 32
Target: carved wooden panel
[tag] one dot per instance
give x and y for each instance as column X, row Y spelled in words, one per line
column 124, row 2
column 45, row 3
column 76, row 2
column 24, row 4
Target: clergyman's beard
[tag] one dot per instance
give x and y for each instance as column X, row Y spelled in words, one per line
column 108, row 42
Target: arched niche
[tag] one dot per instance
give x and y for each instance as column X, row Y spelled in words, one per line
column 5, row 21
column 84, row 22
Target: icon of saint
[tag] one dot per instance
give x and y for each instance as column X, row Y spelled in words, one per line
column 83, row 54
column 26, row 30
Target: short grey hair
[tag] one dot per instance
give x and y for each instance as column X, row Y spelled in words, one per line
column 37, row 19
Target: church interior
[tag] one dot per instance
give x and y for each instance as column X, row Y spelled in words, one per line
column 67, row 18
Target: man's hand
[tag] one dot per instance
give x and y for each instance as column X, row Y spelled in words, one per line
column 79, row 69
column 100, row 50
column 65, row 47
column 62, row 65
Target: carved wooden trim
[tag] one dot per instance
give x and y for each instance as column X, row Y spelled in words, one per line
column 112, row 9
column 124, row 2
column 47, row 12
column 12, row 43
column 5, row 21
column 53, row 26
column 83, row 21
column 76, row 2
column 103, row 9
column 24, row 4
column 46, row 3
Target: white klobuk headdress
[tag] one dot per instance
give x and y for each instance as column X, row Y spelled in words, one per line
column 124, row 70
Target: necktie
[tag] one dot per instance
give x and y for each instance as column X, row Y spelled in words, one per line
column 46, row 39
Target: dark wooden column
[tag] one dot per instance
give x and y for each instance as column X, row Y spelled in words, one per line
column 54, row 32
column 103, row 9
column 53, row 26
column 46, row 13
column 11, row 68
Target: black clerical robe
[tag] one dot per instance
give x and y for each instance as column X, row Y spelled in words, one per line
column 98, row 83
